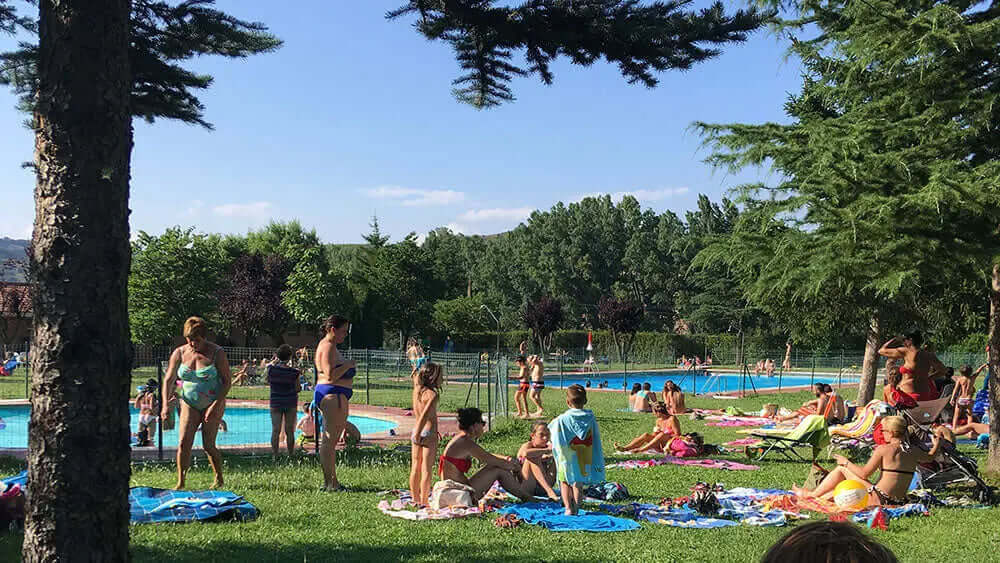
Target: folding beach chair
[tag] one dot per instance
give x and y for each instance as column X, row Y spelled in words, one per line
column 926, row 412
column 857, row 436
column 810, row 433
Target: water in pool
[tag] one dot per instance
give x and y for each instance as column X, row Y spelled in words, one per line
column 247, row 425
column 691, row 381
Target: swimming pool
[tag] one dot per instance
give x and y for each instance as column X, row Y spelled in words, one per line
column 705, row 382
column 247, row 425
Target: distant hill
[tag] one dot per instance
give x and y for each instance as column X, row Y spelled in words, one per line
column 12, row 248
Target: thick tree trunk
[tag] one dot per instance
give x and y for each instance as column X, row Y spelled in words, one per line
column 78, row 453
column 993, row 457
column 869, row 368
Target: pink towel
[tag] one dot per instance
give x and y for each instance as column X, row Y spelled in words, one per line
column 706, row 463
column 740, row 422
column 744, row 442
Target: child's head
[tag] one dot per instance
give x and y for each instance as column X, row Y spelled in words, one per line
column 636, row 387
column 965, row 370
column 770, row 409
column 284, row 352
column 470, row 420
column 430, row 375
column 306, row 407
column 696, row 440
column 660, row 409
column 576, row 396
column 521, row 361
column 411, row 342
column 646, row 386
column 540, row 434
column 835, row 542
column 893, row 377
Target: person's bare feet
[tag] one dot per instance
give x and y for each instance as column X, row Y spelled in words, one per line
column 538, row 414
column 217, row 484
column 179, row 486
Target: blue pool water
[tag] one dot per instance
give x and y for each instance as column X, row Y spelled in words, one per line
column 690, row 382
column 247, row 425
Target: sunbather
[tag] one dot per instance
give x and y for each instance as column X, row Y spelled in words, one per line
column 456, row 461
column 964, row 392
column 666, row 427
column 674, row 398
column 538, row 472
column 896, row 467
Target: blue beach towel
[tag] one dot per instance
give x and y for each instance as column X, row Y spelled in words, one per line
column 551, row 517
column 148, row 505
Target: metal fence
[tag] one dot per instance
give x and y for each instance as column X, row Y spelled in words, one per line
column 479, row 379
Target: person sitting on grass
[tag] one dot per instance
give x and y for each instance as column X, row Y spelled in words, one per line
column 674, row 398
column 896, row 466
column 665, row 427
column 815, row 406
column 829, row 542
column 538, row 473
column 633, row 396
column 240, row 375
column 456, row 460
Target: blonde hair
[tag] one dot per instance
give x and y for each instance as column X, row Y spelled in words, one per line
column 770, row 409
column 895, row 424
column 430, row 375
column 195, row 327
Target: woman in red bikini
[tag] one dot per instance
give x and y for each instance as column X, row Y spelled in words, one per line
column 915, row 381
column 456, row 461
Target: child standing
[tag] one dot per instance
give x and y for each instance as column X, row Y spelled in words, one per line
column 964, row 393
column 307, row 424
column 424, row 439
column 521, row 395
column 148, row 405
column 537, row 384
column 576, row 447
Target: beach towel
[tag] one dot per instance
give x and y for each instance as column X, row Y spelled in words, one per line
column 736, row 422
column 744, row 442
column 551, row 516
column 148, row 505
column 705, row 463
column 576, row 447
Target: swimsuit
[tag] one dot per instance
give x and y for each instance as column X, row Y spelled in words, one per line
column 885, row 498
column 324, row 389
column 284, row 383
column 964, row 401
column 537, row 385
column 462, row 465
column 418, row 362
column 523, row 386
column 199, row 386
column 146, row 419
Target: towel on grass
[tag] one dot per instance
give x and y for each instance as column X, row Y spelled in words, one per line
column 735, row 422
column 576, row 447
column 148, row 505
column 551, row 517
column 744, row 442
column 705, row 463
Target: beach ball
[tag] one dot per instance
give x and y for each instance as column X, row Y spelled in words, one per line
column 850, row 494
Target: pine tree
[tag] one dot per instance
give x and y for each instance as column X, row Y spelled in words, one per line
column 642, row 39
column 889, row 185
column 164, row 34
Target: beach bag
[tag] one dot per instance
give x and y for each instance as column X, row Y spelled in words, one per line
column 451, row 493
column 815, row 476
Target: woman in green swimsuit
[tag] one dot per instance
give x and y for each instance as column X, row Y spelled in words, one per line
column 205, row 380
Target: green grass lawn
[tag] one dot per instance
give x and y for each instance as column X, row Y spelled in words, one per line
column 299, row 524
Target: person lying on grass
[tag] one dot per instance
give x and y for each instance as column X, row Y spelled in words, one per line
column 538, row 473
column 456, row 461
column 896, row 466
column 665, row 427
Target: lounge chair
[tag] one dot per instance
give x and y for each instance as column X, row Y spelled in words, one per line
column 927, row 412
column 858, row 436
column 811, row 433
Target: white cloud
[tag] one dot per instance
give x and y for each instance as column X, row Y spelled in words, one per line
column 641, row 195
column 412, row 197
column 253, row 210
column 195, row 208
column 457, row 228
column 496, row 214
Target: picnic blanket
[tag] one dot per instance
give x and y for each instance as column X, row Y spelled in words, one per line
column 551, row 516
column 736, row 422
column 670, row 460
column 147, row 505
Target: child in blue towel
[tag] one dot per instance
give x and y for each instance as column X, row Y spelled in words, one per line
column 576, row 447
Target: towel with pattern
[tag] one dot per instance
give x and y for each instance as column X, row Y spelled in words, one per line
column 148, row 505
column 670, row 460
column 552, row 517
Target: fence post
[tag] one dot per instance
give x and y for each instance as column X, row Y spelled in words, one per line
column 27, row 377
column 560, row 372
column 813, row 376
column 489, row 398
column 159, row 419
column 368, row 377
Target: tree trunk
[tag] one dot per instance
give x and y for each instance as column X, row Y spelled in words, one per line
column 869, row 369
column 993, row 457
column 78, row 453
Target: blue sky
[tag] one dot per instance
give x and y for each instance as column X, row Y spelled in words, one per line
column 354, row 117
